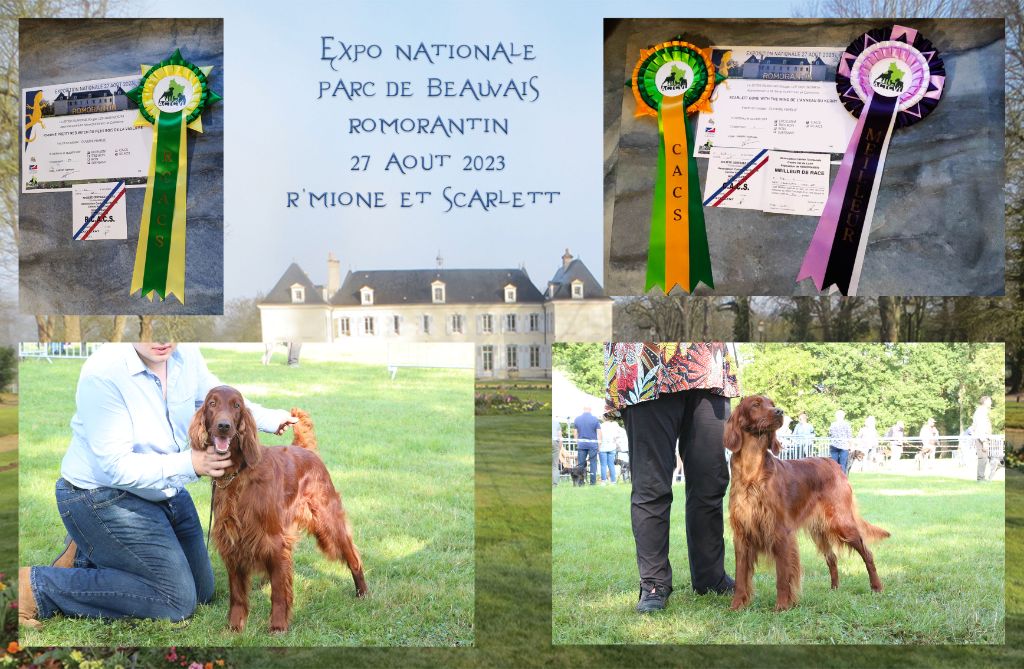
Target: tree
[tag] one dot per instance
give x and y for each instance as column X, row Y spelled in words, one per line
column 583, row 364
column 8, row 367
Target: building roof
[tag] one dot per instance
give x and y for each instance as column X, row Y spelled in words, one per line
column 413, row 286
column 281, row 293
column 575, row 270
column 781, row 60
column 819, row 61
column 88, row 95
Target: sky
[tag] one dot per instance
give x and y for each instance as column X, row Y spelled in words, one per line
column 279, row 137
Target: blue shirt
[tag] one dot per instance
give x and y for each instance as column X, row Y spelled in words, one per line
column 125, row 435
column 803, row 433
column 586, row 430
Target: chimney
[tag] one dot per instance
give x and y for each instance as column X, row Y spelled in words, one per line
column 333, row 275
column 566, row 259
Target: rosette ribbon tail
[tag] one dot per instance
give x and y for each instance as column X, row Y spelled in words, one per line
column 835, row 256
column 160, row 255
column 678, row 251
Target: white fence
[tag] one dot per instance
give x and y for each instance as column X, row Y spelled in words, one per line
column 57, row 349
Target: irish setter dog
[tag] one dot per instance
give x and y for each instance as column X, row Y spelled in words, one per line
column 262, row 499
column 771, row 499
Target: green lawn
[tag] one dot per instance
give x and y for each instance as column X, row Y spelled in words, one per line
column 942, row 569
column 8, row 419
column 1014, row 414
column 401, row 454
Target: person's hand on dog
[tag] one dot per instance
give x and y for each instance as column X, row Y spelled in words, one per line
column 210, row 462
column 292, row 420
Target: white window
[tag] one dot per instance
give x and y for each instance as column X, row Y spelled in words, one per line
column 366, row 295
column 487, row 324
column 426, row 323
column 368, row 325
column 510, row 293
column 344, row 327
column 510, row 322
column 512, row 357
column 551, row 290
column 298, row 294
column 487, row 353
column 456, row 322
column 534, row 322
column 535, row 356
column 397, row 323
column 577, row 290
column 437, row 292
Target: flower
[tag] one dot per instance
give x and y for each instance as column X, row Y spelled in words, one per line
column 13, row 647
column 195, row 665
column 220, row 663
column 14, row 604
column 208, row 665
column 77, row 656
column 3, row 586
column 172, row 655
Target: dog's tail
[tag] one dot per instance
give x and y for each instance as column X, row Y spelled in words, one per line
column 305, row 435
column 871, row 533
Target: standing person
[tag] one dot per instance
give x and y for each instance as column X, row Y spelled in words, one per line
column 683, row 399
column 136, row 546
column 929, row 440
column 612, row 437
column 803, row 436
column 867, row 437
column 586, row 430
column 981, row 431
column 895, row 437
column 840, row 434
column 783, row 434
column 556, row 449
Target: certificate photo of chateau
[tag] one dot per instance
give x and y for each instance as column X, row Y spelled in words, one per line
column 866, row 155
column 121, row 146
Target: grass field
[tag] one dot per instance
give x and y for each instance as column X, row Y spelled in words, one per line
column 401, row 454
column 942, row 569
column 1014, row 414
column 8, row 480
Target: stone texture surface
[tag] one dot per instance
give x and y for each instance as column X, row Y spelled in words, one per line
column 938, row 227
column 61, row 276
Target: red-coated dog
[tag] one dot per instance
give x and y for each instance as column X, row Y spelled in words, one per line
column 771, row 499
column 265, row 495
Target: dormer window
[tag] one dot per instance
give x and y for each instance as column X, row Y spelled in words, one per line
column 437, row 292
column 577, row 290
column 298, row 293
column 551, row 290
column 366, row 296
column 510, row 293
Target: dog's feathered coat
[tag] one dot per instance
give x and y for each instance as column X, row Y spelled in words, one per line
column 771, row 499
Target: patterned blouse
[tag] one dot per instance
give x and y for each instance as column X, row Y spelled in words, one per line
column 639, row 371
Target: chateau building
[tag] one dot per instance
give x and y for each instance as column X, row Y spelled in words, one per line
column 511, row 321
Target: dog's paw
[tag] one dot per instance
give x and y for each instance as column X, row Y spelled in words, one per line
column 278, row 629
column 877, row 587
column 784, row 606
column 739, row 603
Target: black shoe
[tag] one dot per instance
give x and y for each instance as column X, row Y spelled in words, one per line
column 725, row 587
column 653, row 597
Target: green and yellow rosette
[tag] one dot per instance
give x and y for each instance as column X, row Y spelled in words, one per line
column 671, row 81
column 171, row 97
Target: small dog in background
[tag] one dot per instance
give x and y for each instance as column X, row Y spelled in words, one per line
column 625, row 473
column 771, row 499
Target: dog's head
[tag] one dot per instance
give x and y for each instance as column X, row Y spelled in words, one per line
column 225, row 423
column 754, row 420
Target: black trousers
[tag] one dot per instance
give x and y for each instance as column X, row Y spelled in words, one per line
column 696, row 418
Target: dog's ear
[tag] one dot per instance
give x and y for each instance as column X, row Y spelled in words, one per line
column 197, row 429
column 732, row 439
column 249, row 438
column 776, row 446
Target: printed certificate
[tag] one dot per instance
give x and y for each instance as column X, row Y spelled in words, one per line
column 781, row 98
column 80, row 133
column 779, row 182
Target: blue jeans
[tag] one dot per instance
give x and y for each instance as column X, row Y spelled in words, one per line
column 588, row 455
column 136, row 558
column 607, row 464
column 841, row 456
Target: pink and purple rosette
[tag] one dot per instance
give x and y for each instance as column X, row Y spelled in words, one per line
column 889, row 78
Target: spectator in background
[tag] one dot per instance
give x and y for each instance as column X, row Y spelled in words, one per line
column 556, row 448
column 895, row 437
column 612, row 438
column 586, row 430
column 867, row 440
column 839, row 435
column 803, row 436
column 981, row 431
column 783, row 434
column 929, row 440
